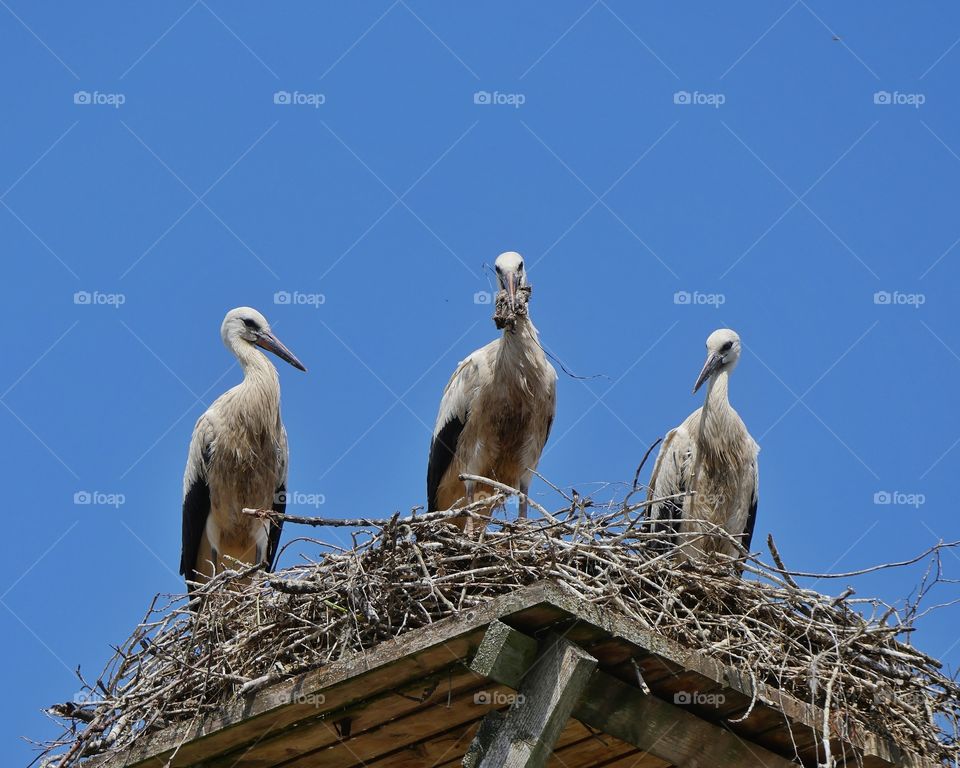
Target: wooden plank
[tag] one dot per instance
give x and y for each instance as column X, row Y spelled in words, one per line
column 593, row 750
column 445, row 749
column 399, row 734
column 636, row 759
column 367, row 716
column 551, row 688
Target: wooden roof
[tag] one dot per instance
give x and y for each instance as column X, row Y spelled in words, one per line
column 419, row 700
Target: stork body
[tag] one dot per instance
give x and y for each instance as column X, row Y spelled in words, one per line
column 496, row 411
column 237, row 459
column 712, row 458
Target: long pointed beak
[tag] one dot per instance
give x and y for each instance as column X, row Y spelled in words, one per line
column 512, row 290
column 271, row 343
column 714, row 361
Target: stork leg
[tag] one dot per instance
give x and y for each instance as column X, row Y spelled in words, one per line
column 524, row 488
column 469, row 488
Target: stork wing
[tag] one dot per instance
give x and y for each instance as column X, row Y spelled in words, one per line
column 196, row 496
column 458, row 396
column 752, row 512
column 669, row 478
column 552, row 397
column 279, row 498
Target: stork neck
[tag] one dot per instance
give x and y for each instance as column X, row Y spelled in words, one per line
column 523, row 332
column 258, row 372
column 715, row 418
column 521, row 339
column 519, row 348
column 718, row 391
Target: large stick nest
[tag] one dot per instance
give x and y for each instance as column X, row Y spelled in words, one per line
column 253, row 629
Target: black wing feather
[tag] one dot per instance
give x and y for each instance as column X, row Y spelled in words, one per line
column 196, row 508
column 279, row 505
column 664, row 518
column 442, row 448
column 751, row 522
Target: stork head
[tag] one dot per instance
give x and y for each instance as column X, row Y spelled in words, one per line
column 723, row 352
column 244, row 325
column 510, row 275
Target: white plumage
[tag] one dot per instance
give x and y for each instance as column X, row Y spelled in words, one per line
column 496, row 411
column 237, row 458
column 712, row 458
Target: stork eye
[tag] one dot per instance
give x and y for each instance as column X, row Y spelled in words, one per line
column 726, row 347
column 252, row 324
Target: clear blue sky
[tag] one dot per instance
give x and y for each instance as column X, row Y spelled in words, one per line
column 179, row 186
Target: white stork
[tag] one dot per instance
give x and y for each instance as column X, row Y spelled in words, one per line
column 711, row 457
column 237, row 459
column 497, row 409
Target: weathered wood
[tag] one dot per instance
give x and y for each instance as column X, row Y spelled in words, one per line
column 651, row 724
column 550, row 689
column 503, row 653
column 270, row 726
column 484, row 739
column 574, row 733
column 368, row 721
column 269, row 712
column 666, row 730
column 587, row 625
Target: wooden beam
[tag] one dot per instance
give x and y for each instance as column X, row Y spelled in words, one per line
column 504, row 653
column 621, row 710
column 548, row 691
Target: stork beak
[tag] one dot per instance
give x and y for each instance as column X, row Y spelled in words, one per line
column 271, row 343
column 714, row 361
column 511, row 278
